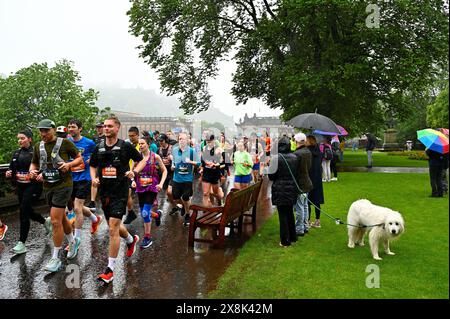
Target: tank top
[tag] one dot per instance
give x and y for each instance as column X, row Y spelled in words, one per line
column 148, row 178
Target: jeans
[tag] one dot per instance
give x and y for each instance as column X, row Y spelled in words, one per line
column 369, row 158
column 301, row 214
column 326, row 170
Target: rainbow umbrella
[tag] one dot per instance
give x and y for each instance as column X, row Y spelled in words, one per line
column 433, row 140
column 443, row 130
column 342, row 131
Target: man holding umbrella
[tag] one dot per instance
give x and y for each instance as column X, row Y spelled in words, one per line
column 437, row 149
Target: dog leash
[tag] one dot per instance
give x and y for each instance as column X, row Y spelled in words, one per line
column 338, row 221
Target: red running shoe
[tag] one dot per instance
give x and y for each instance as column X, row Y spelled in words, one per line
column 94, row 226
column 132, row 247
column 107, row 276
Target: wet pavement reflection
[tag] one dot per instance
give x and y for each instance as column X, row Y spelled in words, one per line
column 167, row 269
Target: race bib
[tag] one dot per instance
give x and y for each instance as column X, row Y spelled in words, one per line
column 79, row 168
column 109, row 172
column 51, row 175
column 23, row 177
column 183, row 170
column 145, row 180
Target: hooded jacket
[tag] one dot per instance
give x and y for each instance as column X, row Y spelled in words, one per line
column 284, row 189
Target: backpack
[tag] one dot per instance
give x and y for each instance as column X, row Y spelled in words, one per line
column 327, row 153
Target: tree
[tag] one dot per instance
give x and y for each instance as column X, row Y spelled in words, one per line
column 437, row 113
column 297, row 55
column 37, row 92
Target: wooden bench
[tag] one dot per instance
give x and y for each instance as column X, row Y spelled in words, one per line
column 237, row 203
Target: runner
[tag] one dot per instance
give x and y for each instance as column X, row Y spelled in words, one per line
column 110, row 172
column 50, row 164
column 97, row 138
column 243, row 164
column 133, row 136
column 3, row 229
column 257, row 152
column 100, row 134
column 211, row 161
column 184, row 159
column 148, row 184
column 61, row 131
column 28, row 190
column 165, row 152
column 81, row 183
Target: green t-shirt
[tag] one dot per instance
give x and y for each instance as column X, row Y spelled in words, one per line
column 68, row 150
column 239, row 159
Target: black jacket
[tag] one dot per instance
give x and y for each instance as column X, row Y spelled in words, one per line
column 304, row 158
column 315, row 174
column 284, row 189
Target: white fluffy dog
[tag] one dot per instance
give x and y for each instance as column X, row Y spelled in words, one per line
column 363, row 212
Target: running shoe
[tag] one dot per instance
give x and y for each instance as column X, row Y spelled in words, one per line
column 19, row 248
column 73, row 248
column 174, row 210
column 132, row 247
column 158, row 219
column 3, row 231
column 146, row 242
column 186, row 220
column 48, row 226
column 94, row 226
column 107, row 276
column 53, row 265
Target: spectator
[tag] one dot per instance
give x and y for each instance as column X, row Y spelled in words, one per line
column 301, row 207
column 437, row 163
column 315, row 196
column 370, row 146
column 284, row 190
column 354, row 145
column 336, row 153
column 341, row 150
column 327, row 155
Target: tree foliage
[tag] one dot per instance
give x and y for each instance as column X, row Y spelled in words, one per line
column 437, row 113
column 37, row 92
column 297, row 55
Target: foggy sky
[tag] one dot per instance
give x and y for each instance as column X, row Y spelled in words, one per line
column 94, row 35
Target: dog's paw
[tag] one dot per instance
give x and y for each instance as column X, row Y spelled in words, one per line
column 390, row 253
column 351, row 245
column 361, row 244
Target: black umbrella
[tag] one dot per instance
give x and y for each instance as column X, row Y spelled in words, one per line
column 314, row 121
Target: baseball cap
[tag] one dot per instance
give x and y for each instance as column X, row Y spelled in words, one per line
column 61, row 129
column 46, row 123
column 163, row 137
column 99, row 124
column 299, row 137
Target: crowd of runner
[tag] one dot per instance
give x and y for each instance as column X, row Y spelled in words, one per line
column 81, row 177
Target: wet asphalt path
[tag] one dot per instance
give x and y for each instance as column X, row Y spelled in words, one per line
column 167, row 269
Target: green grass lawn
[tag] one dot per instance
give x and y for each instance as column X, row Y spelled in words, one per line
column 359, row 159
column 321, row 265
